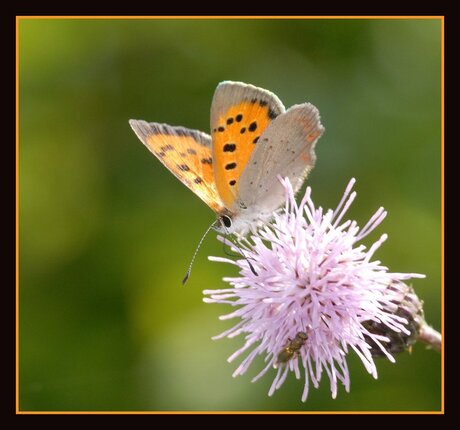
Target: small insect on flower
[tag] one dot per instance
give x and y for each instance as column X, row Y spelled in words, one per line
column 292, row 348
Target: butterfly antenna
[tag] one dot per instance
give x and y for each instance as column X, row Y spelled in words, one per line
column 189, row 271
column 224, row 249
column 239, row 249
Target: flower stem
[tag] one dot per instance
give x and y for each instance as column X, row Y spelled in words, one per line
column 430, row 336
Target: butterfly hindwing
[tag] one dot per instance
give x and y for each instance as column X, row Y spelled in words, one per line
column 239, row 115
column 286, row 149
column 186, row 153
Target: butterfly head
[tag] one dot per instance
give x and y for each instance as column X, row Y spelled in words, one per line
column 240, row 223
column 229, row 223
column 226, row 223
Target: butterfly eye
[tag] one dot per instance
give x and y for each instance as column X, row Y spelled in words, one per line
column 226, row 221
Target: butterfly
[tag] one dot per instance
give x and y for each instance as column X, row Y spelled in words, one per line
column 235, row 170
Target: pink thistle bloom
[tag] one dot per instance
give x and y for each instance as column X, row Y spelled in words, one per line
column 312, row 290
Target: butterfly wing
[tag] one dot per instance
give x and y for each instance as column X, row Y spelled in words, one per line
column 285, row 148
column 186, row 153
column 239, row 115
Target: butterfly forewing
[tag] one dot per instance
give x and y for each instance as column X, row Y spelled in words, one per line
column 286, row 149
column 239, row 115
column 186, row 153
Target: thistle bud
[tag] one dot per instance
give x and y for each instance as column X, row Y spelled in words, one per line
column 404, row 304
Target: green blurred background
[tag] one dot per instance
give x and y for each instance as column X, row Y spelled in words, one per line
column 106, row 232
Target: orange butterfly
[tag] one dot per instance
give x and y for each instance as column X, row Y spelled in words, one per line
column 235, row 170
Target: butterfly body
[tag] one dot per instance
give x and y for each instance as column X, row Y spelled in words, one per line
column 235, row 170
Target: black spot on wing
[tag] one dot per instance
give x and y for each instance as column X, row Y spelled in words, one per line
column 272, row 114
column 229, row 147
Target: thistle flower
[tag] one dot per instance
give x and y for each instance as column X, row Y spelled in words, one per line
column 314, row 293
